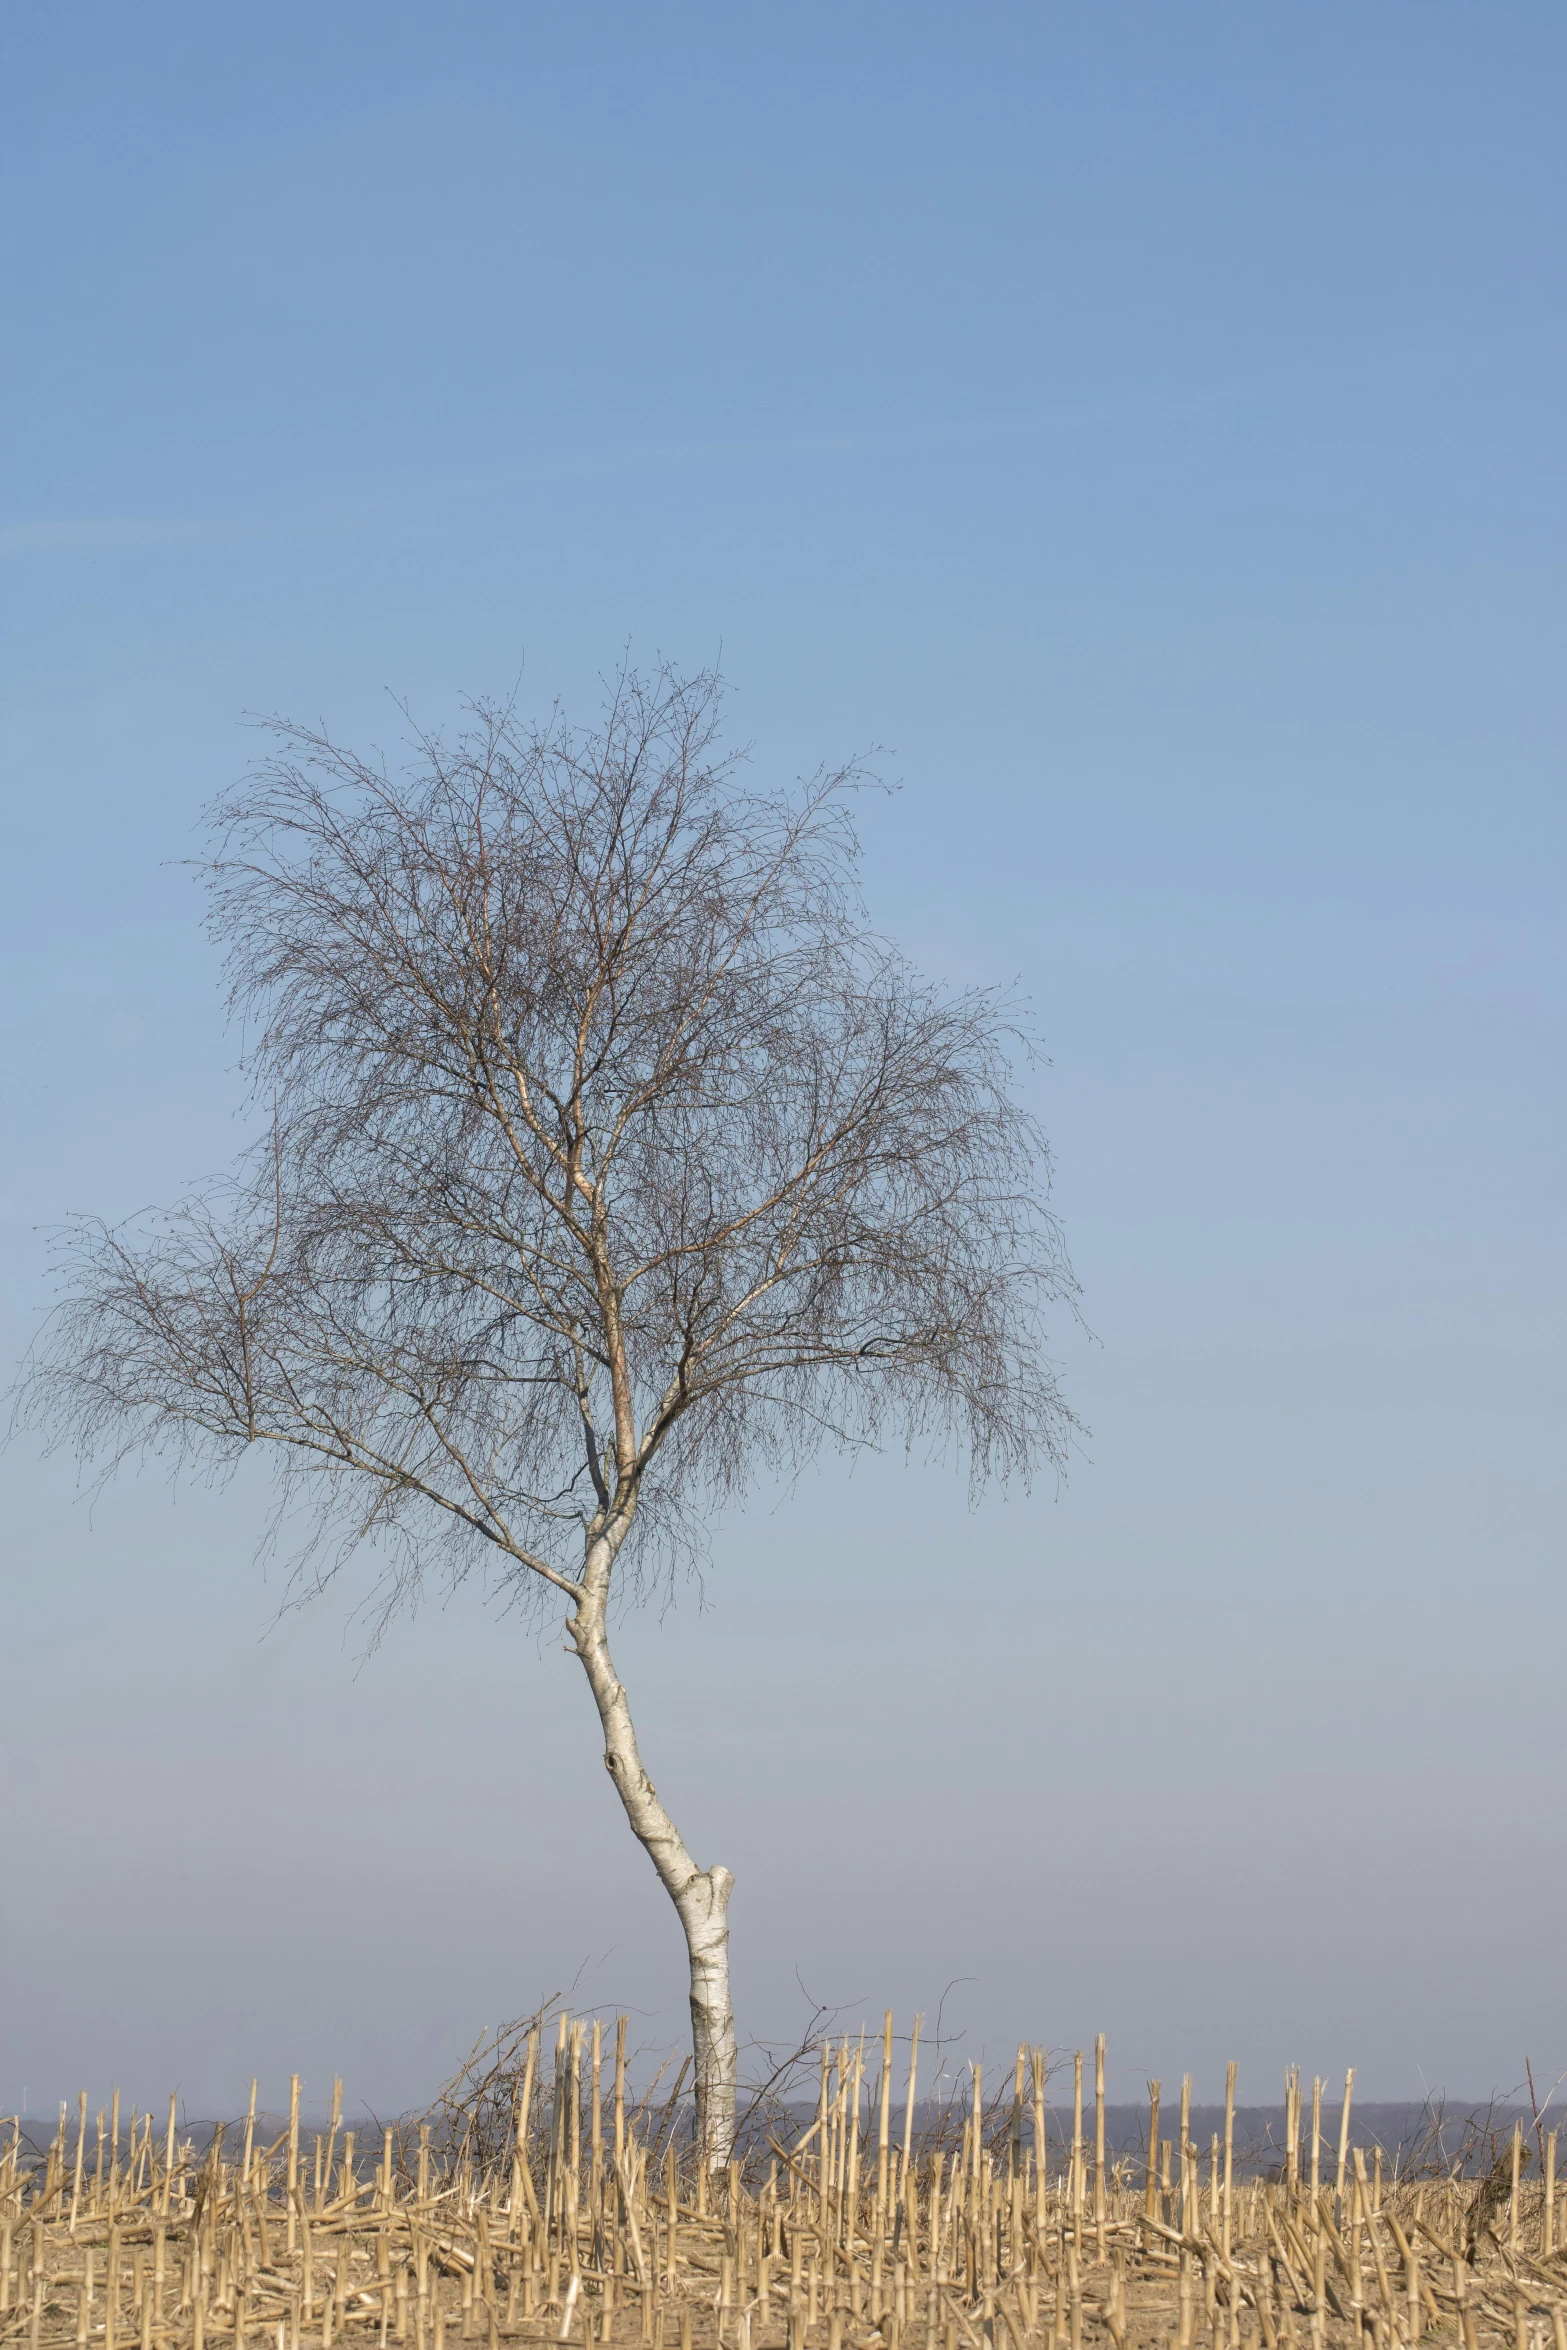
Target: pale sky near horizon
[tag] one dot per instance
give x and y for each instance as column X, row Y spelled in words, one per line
column 1146, row 424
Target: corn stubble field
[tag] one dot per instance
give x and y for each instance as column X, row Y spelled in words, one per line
column 540, row 2202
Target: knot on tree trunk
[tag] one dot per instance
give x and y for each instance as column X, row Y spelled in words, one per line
column 612, row 1764
column 706, row 1894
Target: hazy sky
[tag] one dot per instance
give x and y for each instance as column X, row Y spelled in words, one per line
column 1146, row 423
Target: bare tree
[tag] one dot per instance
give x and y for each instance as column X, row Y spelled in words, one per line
column 611, row 1160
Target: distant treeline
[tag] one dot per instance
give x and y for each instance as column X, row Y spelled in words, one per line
column 1460, row 2139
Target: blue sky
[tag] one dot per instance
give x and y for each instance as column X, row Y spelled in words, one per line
column 1144, row 424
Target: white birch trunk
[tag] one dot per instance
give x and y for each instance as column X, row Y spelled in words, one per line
column 700, row 1896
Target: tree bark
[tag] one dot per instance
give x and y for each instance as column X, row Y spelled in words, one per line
column 700, row 1896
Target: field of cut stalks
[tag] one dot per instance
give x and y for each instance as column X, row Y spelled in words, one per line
column 541, row 2202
